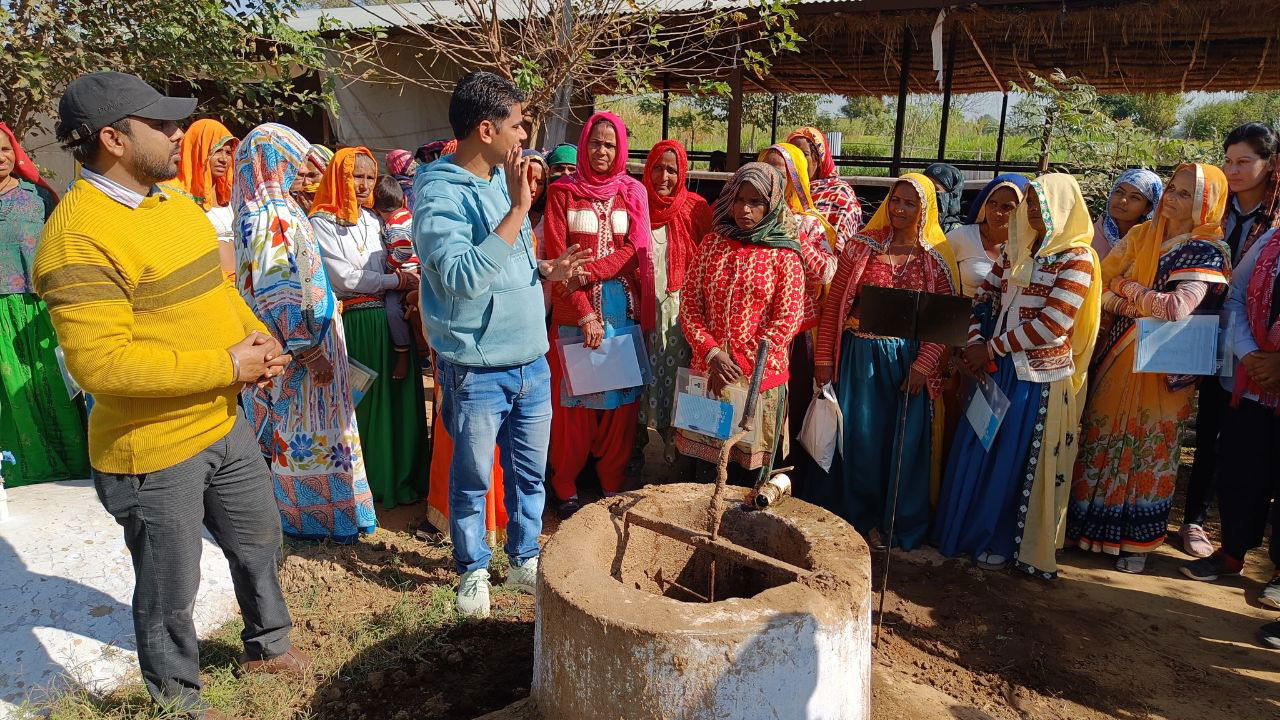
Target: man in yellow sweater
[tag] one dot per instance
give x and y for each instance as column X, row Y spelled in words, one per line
column 154, row 331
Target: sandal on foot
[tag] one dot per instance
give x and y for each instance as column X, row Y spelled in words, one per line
column 1132, row 564
column 992, row 561
column 568, row 508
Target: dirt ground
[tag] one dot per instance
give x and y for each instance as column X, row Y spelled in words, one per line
column 967, row 644
column 958, row 643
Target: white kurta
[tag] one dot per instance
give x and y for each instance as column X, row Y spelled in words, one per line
column 354, row 257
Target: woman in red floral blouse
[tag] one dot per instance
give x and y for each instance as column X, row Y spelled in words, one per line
column 601, row 209
column 746, row 284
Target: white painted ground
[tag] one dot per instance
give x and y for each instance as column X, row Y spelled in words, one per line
column 65, row 586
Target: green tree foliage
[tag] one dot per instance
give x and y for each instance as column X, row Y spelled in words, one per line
column 1063, row 118
column 1213, row 120
column 240, row 57
column 1157, row 112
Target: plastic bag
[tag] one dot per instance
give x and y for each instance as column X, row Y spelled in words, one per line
column 822, row 434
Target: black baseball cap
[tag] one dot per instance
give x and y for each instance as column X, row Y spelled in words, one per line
column 95, row 100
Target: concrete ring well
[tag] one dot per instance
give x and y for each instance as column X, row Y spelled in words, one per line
column 622, row 634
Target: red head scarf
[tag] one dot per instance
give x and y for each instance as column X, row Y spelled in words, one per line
column 195, row 174
column 337, row 192
column 22, row 166
column 686, row 215
column 587, row 184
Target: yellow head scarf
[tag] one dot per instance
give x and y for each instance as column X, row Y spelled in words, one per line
column 928, row 231
column 1067, row 225
column 1142, row 247
column 798, row 196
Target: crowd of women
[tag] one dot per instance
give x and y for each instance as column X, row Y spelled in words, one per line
column 319, row 243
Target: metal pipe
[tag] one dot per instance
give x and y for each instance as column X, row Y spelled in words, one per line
column 900, row 125
column 773, row 491
column 773, row 123
column 946, row 94
column 666, row 109
column 1004, row 113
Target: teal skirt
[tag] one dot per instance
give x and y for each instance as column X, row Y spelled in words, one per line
column 871, row 372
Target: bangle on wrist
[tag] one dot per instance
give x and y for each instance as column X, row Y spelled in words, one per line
column 235, row 367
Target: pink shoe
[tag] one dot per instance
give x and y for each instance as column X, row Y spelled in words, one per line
column 1195, row 542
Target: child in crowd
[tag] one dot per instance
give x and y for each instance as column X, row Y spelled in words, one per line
column 397, row 238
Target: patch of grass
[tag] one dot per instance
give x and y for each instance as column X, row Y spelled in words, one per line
column 364, row 614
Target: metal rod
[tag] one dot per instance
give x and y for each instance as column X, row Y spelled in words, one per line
column 715, row 509
column 718, row 547
column 983, row 56
column 666, row 109
column 1004, row 114
column 946, row 94
column 773, row 123
column 900, row 124
column 897, row 483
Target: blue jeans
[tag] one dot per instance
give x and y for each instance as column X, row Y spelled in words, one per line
column 509, row 406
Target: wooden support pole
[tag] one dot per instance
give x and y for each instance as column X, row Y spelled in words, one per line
column 666, row 109
column 1004, row 114
column 946, row 94
column 716, row 546
column 900, row 125
column 773, row 123
column 734, row 149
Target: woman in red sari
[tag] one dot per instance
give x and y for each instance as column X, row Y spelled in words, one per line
column 602, row 209
column 678, row 219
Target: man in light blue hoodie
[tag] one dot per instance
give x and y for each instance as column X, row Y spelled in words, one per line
column 482, row 311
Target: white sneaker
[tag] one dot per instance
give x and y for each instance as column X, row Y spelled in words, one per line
column 524, row 578
column 473, row 594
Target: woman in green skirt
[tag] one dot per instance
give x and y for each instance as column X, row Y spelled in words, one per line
column 391, row 413
column 39, row 421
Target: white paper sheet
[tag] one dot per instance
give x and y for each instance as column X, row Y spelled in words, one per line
column 1186, row 347
column 612, row 366
column 986, row 410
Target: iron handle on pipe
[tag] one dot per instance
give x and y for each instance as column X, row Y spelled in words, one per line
column 753, row 391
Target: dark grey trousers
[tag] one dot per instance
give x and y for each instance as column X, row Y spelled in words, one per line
column 226, row 488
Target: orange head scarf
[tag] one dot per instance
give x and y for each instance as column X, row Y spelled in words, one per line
column 195, row 172
column 336, row 195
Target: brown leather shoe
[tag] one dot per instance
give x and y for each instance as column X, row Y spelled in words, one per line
column 292, row 661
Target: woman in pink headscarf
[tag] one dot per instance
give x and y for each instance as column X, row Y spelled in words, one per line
column 600, row 208
column 400, row 166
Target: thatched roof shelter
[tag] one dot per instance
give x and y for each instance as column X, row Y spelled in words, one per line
column 856, row 47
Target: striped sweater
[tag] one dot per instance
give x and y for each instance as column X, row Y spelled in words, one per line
column 1033, row 324
column 145, row 317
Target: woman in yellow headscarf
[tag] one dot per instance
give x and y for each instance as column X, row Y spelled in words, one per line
column 205, row 173
column 902, row 247
column 818, row 253
column 1131, row 433
column 1002, row 502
